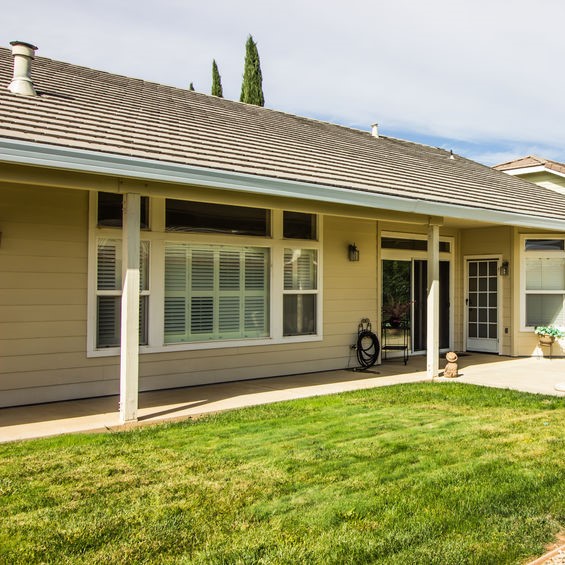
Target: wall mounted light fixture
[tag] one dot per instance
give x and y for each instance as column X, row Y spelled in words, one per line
column 504, row 269
column 353, row 252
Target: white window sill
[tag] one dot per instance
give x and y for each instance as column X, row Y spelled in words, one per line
column 197, row 346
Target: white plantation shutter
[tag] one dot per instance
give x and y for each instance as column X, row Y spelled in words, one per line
column 215, row 292
column 109, row 276
column 109, row 292
column 545, row 274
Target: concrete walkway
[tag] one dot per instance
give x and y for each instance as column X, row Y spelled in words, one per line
column 98, row 414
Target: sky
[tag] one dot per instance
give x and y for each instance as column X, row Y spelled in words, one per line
column 480, row 77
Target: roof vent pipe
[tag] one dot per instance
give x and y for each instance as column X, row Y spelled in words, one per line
column 375, row 130
column 23, row 54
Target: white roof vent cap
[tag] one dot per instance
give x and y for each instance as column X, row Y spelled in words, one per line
column 23, row 54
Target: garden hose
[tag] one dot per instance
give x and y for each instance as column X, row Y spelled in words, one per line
column 367, row 346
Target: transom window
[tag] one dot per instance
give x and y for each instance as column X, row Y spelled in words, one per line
column 187, row 216
column 297, row 225
column 110, row 210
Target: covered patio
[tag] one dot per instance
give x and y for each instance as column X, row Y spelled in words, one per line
column 532, row 374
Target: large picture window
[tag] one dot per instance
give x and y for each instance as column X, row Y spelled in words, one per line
column 544, row 282
column 211, row 276
column 215, row 292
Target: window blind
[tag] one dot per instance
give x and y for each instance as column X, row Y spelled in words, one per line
column 215, row 292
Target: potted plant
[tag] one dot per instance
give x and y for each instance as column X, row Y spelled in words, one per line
column 394, row 313
column 548, row 334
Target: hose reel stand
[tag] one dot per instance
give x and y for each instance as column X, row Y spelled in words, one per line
column 367, row 345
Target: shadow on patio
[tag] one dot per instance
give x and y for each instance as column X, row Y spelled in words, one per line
column 92, row 414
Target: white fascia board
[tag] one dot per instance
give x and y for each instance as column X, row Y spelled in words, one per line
column 81, row 160
column 532, row 170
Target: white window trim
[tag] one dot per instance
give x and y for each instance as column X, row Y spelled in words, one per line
column 538, row 254
column 157, row 237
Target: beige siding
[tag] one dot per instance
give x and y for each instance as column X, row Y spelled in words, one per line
column 547, row 180
column 43, row 264
column 485, row 242
column 43, row 308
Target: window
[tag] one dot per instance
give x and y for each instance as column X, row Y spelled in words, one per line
column 110, row 210
column 215, row 292
column 300, row 291
column 109, row 292
column 544, row 282
column 182, row 215
column 212, row 276
column 297, row 225
column 412, row 244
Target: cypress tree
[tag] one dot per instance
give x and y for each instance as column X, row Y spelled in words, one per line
column 216, row 81
column 252, row 85
column 191, row 87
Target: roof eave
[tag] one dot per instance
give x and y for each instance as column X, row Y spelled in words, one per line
column 80, row 160
column 532, row 170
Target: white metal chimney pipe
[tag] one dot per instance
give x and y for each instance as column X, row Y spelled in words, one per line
column 375, row 130
column 23, row 54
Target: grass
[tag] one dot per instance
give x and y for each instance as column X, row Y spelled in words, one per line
column 425, row 473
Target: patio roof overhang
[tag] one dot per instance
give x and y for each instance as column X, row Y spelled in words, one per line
column 129, row 167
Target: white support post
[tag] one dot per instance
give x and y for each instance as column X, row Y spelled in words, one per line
column 433, row 302
column 129, row 352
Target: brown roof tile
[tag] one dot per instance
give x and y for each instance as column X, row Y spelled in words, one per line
column 88, row 109
column 531, row 161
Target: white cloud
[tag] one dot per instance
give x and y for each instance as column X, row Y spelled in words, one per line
column 482, row 71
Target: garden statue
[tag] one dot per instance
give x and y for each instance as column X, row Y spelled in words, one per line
column 451, row 369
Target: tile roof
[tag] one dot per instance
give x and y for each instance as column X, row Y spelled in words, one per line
column 83, row 108
column 531, row 161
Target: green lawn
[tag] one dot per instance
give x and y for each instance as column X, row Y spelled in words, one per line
column 425, row 473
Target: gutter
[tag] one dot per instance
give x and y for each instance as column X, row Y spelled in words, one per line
column 81, row 160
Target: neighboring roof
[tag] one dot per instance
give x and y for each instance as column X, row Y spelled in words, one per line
column 531, row 161
column 91, row 110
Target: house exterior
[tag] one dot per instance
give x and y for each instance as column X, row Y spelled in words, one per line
column 542, row 264
column 154, row 237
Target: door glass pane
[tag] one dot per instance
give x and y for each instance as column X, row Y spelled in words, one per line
column 483, row 330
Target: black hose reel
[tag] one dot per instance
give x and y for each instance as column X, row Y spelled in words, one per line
column 367, row 345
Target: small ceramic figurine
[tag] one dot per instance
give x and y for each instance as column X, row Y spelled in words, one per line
column 451, row 369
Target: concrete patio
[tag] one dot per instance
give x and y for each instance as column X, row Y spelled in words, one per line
column 534, row 375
